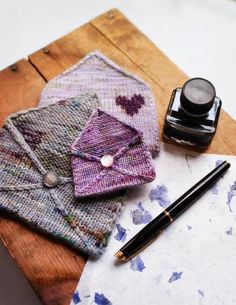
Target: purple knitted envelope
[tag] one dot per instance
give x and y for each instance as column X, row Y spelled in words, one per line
column 109, row 155
column 121, row 93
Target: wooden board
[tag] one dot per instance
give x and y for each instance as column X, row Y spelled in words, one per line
column 52, row 269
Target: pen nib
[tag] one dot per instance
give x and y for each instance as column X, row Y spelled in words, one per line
column 120, row 256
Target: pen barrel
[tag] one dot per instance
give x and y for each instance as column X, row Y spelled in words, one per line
column 157, row 225
column 195, row 192
column 144, row 237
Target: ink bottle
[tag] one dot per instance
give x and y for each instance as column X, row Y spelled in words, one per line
column 193, row 113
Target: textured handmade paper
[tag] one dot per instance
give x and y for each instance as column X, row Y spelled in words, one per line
column 192, row 262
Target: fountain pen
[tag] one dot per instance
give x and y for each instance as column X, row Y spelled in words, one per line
column 152, row 230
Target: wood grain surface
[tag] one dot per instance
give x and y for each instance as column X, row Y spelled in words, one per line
column 53, row 269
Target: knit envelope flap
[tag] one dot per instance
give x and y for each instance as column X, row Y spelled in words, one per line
column 16, row 167
column 107, row 138
column 49, row 131
column 121, row 93
column 104, row 135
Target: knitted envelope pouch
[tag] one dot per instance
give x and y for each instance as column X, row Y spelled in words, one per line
column 121, row 93
column 36, row 182
column 109, row 155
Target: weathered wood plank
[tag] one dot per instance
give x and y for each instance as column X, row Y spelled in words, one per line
column 140, row 49
column 20, row 85
column 71, row 48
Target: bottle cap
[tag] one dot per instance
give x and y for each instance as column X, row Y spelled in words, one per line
column 197, row 96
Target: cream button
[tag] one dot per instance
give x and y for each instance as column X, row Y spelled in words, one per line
column 50, row 179
column 107, row 160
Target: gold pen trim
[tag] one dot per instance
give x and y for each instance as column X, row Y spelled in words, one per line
column 120, row 256
column 168, row 215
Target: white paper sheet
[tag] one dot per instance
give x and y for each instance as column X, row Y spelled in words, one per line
column 192, row 262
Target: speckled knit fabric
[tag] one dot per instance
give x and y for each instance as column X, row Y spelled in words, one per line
column 35, row 142
column 122, row 94
column 109, row 155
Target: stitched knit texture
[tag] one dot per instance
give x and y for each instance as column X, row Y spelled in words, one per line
column 107, row 137
column 35, row 142
column 122, row 94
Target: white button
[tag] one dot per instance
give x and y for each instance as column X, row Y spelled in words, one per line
column 50, row 179
column 107, row 160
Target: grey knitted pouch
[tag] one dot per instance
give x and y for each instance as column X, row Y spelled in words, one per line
column 36, row 178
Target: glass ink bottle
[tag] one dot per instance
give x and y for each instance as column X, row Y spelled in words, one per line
column 193, row 113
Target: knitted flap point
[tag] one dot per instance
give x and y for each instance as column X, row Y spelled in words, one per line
column 121, row 93
column 109, row 155
column 36, row 182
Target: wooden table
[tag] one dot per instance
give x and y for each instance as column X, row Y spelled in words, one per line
column 52, row 269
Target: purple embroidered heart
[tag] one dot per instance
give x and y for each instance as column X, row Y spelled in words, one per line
column 131, row 106
column 32, row 137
